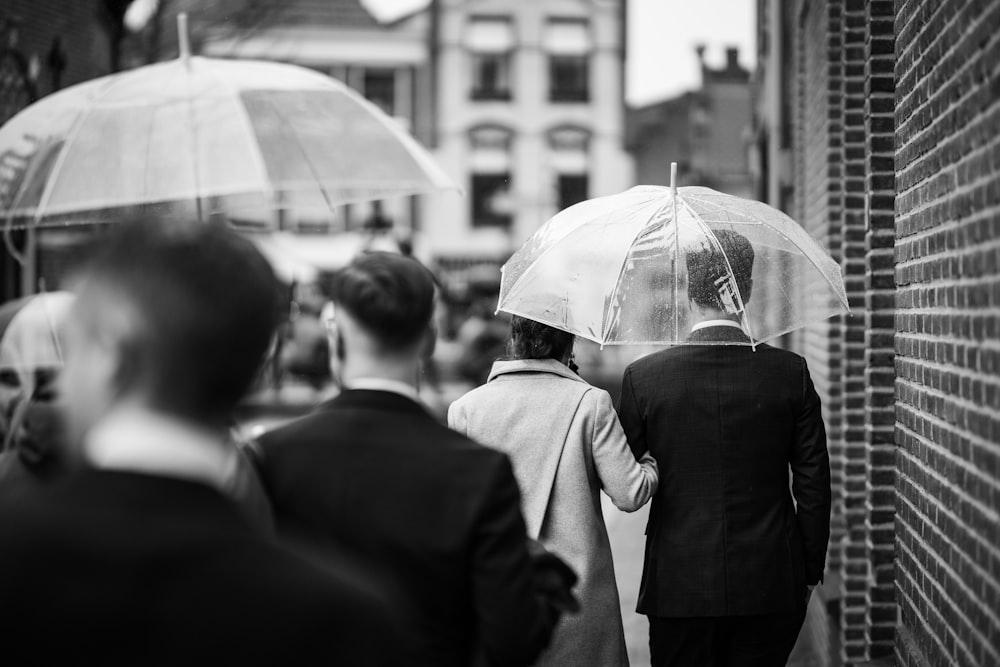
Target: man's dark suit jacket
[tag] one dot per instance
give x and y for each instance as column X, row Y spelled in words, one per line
column 434, row 516
column 116, row 568
column 725, row 423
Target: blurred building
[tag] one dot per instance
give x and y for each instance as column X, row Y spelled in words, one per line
column 528, row 112
column 706, row 132
column 45, row 45
column 877, row 129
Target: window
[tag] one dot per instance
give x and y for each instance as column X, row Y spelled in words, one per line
column 572, row 189
column 568, row 79
column 491, row 166
column 569, row 146
column 491, row 200
column 490, row 41
column 380, row 89
column 490, row 76
column 568, row 44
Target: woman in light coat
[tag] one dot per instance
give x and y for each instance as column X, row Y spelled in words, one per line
column 565, row 444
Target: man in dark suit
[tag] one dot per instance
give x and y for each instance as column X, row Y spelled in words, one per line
column 140, row 558
column 373, row 477
column 731, row 558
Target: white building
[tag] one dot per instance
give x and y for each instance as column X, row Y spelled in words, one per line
column 528, row 118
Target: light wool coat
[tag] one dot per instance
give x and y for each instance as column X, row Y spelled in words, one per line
column 566, row 444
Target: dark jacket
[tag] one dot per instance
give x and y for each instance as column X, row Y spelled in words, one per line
column 725, row 424
column 431, row 514
column 116, row 568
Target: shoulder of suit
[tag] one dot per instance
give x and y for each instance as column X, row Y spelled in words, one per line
column 654, row 359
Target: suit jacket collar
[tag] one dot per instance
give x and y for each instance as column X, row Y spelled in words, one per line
column 532, row 366
column 720, row 334
column 373, row 399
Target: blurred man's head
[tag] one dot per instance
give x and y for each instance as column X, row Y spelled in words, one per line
column 384, row 304
column 173, row 317
column 31, row 357
column 710, row 281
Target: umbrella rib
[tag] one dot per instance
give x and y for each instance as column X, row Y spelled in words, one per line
column 302, row 150
column 621, row 272
column 440, row 179
column 258, row 155
column 60, row 160
column 773, row 228
column 538, row 259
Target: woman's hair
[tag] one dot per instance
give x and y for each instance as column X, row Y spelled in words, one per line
column 533, row 340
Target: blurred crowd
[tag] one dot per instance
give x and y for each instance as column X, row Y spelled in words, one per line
column 138, row 526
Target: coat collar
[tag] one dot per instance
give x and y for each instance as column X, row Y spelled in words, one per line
column 373, row 398
column 532, row 366
column 720, row 334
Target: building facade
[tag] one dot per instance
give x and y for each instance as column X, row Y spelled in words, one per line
column 528, row 118
column 878, row 127
column 706, row 132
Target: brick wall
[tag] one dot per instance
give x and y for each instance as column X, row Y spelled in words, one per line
column 879, row 412
column 854, row 578
column 947, row 342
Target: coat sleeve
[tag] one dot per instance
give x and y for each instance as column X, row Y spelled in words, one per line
column 810, row 465
column 514, row 622
column 631, row 417
column 629, row 483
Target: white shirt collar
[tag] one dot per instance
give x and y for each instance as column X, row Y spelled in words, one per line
column 716, row 323
column 141, row 441
column 383, row 384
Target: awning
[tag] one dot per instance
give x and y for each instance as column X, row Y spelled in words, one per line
column 567, row 38
column 490, row 35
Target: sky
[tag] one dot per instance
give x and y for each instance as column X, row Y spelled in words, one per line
column 662, row 38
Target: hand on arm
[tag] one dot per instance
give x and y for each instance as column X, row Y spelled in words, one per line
column 629, row 483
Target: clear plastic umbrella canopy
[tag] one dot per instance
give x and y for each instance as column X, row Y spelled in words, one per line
column 623, row 269
column 211, row 135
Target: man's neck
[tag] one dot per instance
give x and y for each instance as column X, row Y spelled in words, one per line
column 700, row 315
column 404, row 372
column 136, row 438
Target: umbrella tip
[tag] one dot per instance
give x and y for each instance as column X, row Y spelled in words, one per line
column 183, row 44
column 673, row 176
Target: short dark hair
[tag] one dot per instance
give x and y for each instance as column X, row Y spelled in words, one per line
column 530, row 339
column 206, row 305
column 390, row 295
column 707, row 265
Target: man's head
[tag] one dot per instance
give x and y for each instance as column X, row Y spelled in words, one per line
column 384, row 305
column 173, row 317
column 708, row 272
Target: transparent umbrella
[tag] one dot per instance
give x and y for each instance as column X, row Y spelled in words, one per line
column 213, row 135
column 617, row 270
